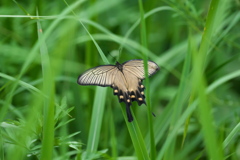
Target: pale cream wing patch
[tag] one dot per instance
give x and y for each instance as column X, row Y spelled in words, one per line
column 135, row 87
column 136, row 67
column 120, row 81
column 101, row 76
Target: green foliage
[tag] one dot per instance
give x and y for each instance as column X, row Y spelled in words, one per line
column 46, row 45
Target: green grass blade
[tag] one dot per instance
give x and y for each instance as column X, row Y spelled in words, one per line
column 96, row 121
column 48, row 87
column 145, row 57
column 186, row 71
column 223, row 79
column 22, row 8
column 23, row 84
column 181, row 98
column 136, row 136
column 213, row 146
column 231, row 135
column 137, row 23
column 98, row 107
column 105, row 60
column 113, row 139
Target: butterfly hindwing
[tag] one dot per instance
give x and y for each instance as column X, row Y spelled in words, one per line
column 136, row 67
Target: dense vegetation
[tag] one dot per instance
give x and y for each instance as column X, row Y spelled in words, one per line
column 46, row 45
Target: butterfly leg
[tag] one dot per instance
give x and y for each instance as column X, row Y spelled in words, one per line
column 129, row 114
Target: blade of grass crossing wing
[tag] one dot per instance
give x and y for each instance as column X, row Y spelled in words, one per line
column 145, row 57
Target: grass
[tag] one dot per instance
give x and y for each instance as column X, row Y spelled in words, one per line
column 45, row 114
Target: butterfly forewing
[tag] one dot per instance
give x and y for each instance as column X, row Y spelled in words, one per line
column 101, row 76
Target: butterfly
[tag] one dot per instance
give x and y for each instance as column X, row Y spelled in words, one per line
column 125, row 79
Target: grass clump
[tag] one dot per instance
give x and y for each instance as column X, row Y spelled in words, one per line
column 195, row 95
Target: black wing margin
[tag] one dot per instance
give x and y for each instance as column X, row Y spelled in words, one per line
column 100, row 76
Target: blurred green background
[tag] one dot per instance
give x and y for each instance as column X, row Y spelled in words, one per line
column 195, row 96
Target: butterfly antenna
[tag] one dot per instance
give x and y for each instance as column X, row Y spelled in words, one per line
column 113, row 57
column 153, row 114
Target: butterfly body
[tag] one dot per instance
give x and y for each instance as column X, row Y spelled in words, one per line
column 125, row 79
column 119, row 66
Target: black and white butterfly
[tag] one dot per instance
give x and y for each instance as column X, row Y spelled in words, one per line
column 125, row 79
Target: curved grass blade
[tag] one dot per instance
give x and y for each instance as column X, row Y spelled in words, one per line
column 231, row 135
column 136, row 136
column 96, row 121
column 143, row 34
column 212, row 143
column 48, row 89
